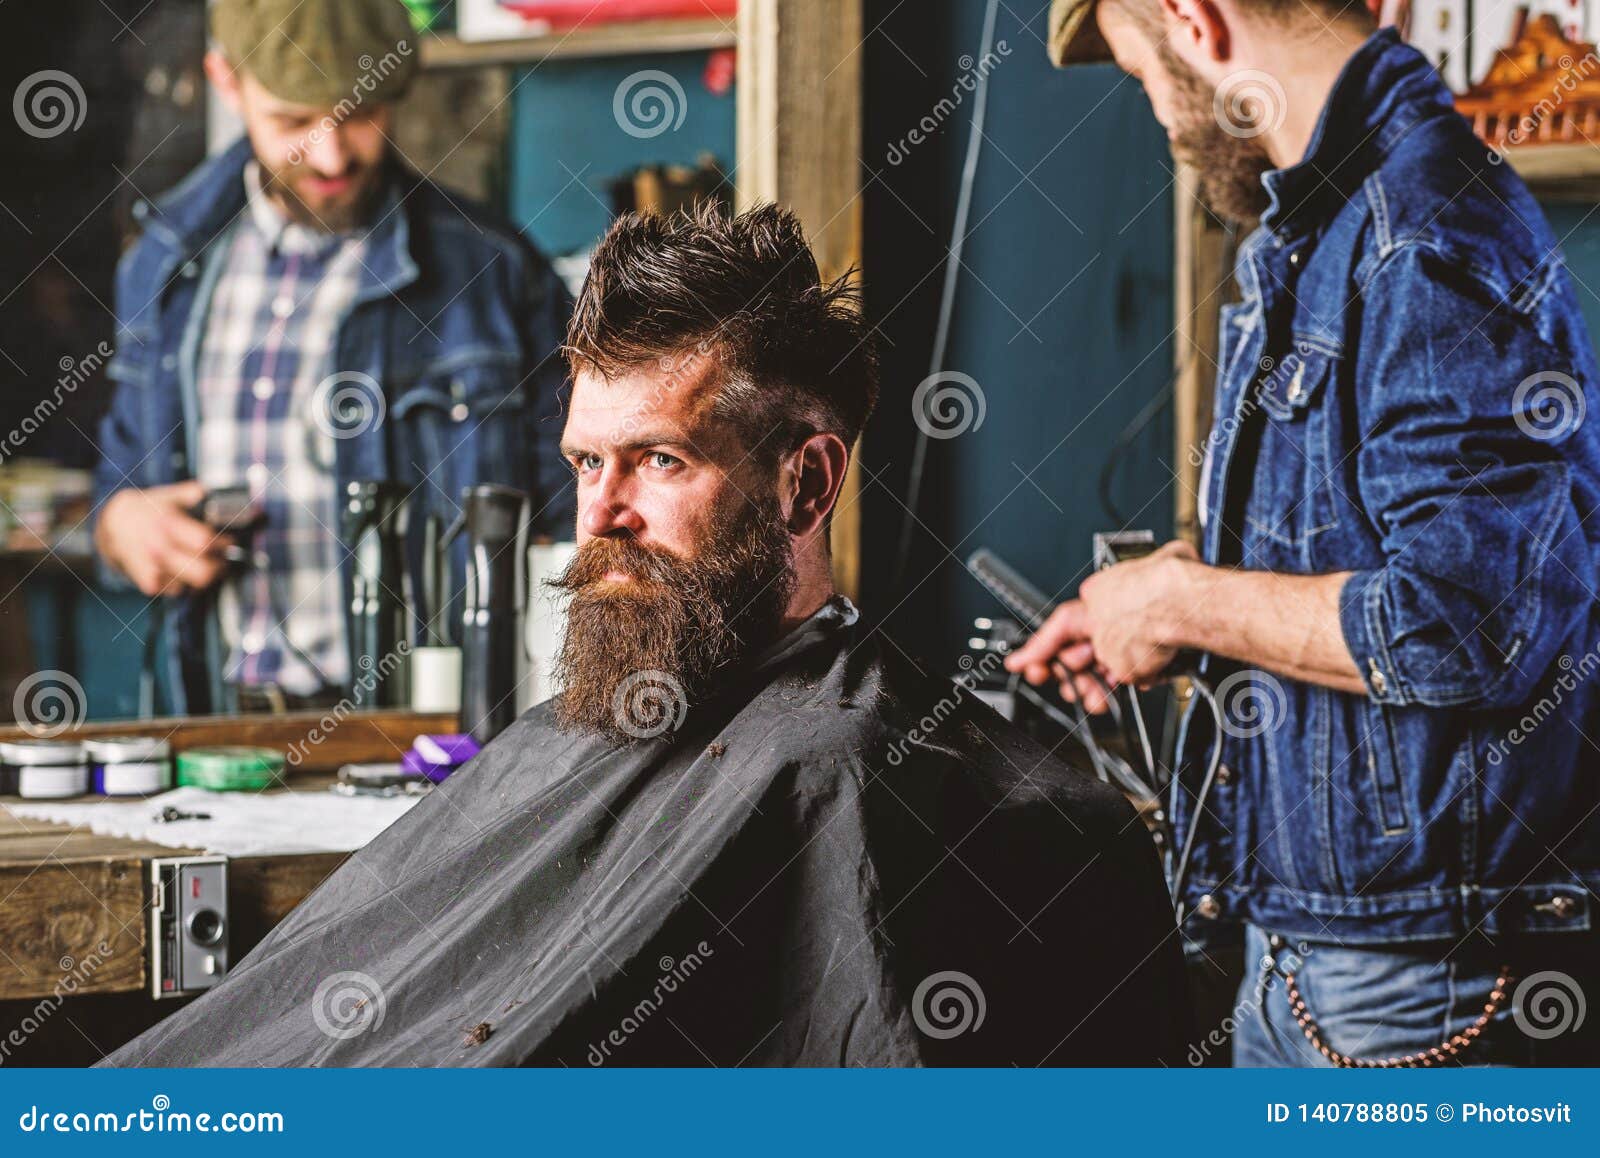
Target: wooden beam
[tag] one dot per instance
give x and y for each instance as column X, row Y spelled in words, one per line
column 799, row 129
column 1202, row 282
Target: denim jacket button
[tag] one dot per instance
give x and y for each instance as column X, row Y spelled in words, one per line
column 1294, row 259
column 1208, row 907
column 1379, row 683
column 1223, row 774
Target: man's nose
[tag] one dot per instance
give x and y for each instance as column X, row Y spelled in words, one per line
column 608, row 509
column 328, row 155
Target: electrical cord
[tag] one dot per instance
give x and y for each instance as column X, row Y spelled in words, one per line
column 947, row 296
column 1180, row 870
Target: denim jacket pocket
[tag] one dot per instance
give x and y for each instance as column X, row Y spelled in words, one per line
column 465, row 424
column 1291, row 501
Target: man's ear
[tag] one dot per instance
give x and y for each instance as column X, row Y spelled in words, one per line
column 816, row 472
column 225, row 79
column 1201, row 26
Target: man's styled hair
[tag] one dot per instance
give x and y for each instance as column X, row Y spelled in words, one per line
column 790, row 355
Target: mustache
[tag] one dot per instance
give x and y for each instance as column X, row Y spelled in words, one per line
column 598, row 557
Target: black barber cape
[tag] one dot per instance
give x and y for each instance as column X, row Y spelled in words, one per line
column 847, row 862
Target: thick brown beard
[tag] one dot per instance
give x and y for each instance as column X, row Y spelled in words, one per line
column 1227, row 169
column 690, row 620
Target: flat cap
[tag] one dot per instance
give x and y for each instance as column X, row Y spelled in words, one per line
column 1074, row 36
column 320, row 52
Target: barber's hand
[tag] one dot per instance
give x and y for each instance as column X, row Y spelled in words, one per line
column 1120, row 627
column 150, row 537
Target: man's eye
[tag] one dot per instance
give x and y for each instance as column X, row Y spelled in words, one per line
column 661, row 460
column 584, row 462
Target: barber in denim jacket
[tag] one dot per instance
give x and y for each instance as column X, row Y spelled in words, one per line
column 302, row 312
column 1395, row 598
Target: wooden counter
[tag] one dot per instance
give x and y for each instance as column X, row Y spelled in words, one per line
column 66, row 891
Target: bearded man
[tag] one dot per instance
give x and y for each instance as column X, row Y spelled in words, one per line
column 301, row 313
column 748, row 831
column 1395, row 595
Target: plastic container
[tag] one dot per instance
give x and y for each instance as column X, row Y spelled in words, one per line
column 231, row 768
column 43, row 769
column 129, row 765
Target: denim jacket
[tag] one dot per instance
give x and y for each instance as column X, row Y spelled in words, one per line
column 1401, row 395
column 457, row 317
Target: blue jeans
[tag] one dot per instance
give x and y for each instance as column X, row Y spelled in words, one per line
column 1392, row 1000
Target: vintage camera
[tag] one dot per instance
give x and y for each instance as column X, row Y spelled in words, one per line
column 188, row 924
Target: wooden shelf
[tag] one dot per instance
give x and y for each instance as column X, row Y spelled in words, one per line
column 1559, row 172
column 602, row 40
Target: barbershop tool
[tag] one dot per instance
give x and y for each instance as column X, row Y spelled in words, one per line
column 172, row 813
column 373, row 531
column 436, row 664
column 1033, row 607
column 232, row 511
column 495, row 519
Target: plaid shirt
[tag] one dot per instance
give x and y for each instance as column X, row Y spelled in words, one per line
column 278, row 304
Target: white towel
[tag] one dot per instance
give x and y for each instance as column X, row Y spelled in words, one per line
column 240, row 824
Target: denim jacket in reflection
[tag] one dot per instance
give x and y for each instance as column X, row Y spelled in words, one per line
column 457, row 317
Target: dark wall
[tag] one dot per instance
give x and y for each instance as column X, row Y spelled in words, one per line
column 1063, row 310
